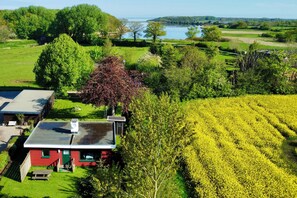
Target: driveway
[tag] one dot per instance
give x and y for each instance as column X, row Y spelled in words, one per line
column 6, row 132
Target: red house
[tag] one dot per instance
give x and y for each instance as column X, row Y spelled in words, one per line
column 65, row 145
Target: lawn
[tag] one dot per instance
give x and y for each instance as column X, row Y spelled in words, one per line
column 59, row 185
column 66, row 109
column 17, row 59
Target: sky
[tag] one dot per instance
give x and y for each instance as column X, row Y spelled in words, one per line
column 159, row 8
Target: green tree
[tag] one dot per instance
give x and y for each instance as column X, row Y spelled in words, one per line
column 169, row 56
column 192, row 32
column 153, row 145
column 32, row 22
column 210, row 81
column 154, row 30
column 80, row 21
column 211, row 33
column 193, row 58
column 135, row 28
column 63, row 65
column 105, row 181
column 4, row 33
column 212, row 50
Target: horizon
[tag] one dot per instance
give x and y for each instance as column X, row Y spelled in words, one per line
column 271, row 9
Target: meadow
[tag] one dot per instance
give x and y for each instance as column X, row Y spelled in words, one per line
column 243, row 147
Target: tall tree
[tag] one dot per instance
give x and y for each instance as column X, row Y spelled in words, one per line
column 211, row 33
column 135, row 28
column 192, row 32
column 153, row 145
column 109, row 84
column 4, row 33
column 63, row 65
column 155, row 29
column 80, row 21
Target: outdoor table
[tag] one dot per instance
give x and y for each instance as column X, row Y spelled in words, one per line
column 41, row 174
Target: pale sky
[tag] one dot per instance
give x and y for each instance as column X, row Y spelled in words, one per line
column 158, row 8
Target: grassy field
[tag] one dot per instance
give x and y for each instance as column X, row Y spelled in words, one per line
column 17, row 60
column 243, row 147
column 59, row 185
column 245, row 37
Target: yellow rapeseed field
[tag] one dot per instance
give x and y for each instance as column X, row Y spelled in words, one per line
column 243, row 147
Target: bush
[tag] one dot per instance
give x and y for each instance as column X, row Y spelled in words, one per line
column 267, row 35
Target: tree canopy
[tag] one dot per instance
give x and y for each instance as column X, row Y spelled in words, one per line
column 153, row 144
column 31, row 22
column 80, row 21
column 109, row 84
column 154, row 30
column 192, row 32
column 63, row 65
column 211, row 33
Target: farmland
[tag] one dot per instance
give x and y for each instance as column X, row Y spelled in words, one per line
column 243, row 147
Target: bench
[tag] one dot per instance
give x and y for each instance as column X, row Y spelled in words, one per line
column 12, row 123
column 41, row 174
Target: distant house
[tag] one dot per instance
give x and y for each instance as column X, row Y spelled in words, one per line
column 33, row 104
column 69, row 144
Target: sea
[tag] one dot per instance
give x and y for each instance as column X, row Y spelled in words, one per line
column 172, row 31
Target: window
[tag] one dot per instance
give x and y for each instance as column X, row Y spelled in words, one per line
column 89, row 155
column 45, row 153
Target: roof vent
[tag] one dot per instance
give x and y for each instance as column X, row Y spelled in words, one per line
column 74, row 125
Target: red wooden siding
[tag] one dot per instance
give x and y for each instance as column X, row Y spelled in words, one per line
column 38, row 160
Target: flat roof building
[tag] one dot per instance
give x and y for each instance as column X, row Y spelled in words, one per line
column 33, row 104
column 57, row 144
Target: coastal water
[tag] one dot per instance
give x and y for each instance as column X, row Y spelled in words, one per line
column 172, row 31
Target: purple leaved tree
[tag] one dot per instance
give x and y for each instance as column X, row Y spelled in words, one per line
column 109, row 84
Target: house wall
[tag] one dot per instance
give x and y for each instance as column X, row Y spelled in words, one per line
column 13, row 117
column 75, row 154
column 38, row 160
column 55, row 154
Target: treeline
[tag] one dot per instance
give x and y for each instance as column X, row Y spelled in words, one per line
column 187, row 73
column 84, row 23
column 200, row 20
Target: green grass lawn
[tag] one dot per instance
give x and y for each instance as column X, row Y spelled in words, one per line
column 17, row 59
column 66, row 109
column 59, row 185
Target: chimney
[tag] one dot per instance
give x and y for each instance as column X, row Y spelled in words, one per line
column 74, row 125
